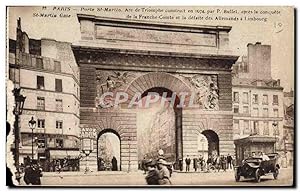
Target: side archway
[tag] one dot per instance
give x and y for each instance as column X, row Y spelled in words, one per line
column 213, row 142
column 108, row 150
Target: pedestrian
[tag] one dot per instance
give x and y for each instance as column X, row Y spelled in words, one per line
column 164, row 173
column 143, row 165
column 28, row 173
column 187, row 162
column 114, row 164
column 217, row 164
column 200, row 163
column 229, row 161
column 209, row 162
column 161, row 156
column 36, row 174
column 223, row 162
column 152, row 177
column 195, row 163
column 180, row 164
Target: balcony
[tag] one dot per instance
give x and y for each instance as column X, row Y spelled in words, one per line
column 40, row 62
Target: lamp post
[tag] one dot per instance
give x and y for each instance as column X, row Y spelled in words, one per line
column 275, row 124
column 87, row 148
column 18, row 109
column 32, row 124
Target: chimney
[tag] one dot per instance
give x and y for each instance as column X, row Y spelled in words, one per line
column 19, row 24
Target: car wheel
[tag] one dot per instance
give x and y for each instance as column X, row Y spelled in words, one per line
column 237, row 175
column 257, row 175
column 275, row 174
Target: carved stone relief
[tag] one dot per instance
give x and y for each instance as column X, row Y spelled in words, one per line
column 110, row 81
column 206, row 90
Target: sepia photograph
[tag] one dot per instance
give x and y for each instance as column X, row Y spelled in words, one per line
column 150, row 96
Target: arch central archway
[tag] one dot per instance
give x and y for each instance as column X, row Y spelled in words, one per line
column 156, row 81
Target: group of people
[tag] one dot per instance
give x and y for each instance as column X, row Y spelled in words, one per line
column 104, row 165
column 59, row 165
column 158, row 171
column 213, row 162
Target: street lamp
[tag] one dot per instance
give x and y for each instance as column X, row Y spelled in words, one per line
column 87, row 148
column 32, row 124
column 18, row 109
column 275, row 124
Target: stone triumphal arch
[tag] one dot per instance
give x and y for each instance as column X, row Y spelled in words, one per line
column 117, row 55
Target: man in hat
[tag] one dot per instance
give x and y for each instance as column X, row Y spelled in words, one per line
column 143, row 165
column 152, row 177
column 28, row 173
column 187, row 162
column 36, row 174
column 164, row 172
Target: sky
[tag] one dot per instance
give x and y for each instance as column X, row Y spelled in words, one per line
column 277, row 31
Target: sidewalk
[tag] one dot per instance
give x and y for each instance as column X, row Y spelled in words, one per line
column 82, row 173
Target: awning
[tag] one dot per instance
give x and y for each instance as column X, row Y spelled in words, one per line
column 61, row 154
column 27, row 150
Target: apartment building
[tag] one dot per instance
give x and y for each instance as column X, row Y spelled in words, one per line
column 257, row 98
column 47, row 73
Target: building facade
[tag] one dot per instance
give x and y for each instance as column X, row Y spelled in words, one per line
column 257, row 98
column 288, row 127
column 120, row 55
column 47, row 73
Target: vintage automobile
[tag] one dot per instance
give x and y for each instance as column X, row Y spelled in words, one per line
column 248, row 165
column 255, row 167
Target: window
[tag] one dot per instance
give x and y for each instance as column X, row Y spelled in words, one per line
column 40, row 82
column 40, row 103
column 245, row 97
column 276, row 114
column 59, row 143
column 275, row 99
column 58, row 85
column 41, row 123
column 266, row 128
column 276, row 129
column 255, row 112
column 59, row 124
column 235, row 109
column 57, row 66
column 265, row 99
column 236, row 97
column 39, row 63
column 41, row 143
column 265, row 112
column 245, row 110
column 59, row 104
column 255, row 128
column 236, row 127
column 246, row 127
column 255, row 98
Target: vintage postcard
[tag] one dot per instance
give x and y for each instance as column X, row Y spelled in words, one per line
column 147, row 96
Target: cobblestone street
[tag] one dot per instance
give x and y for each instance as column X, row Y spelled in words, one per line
column 137, row 179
